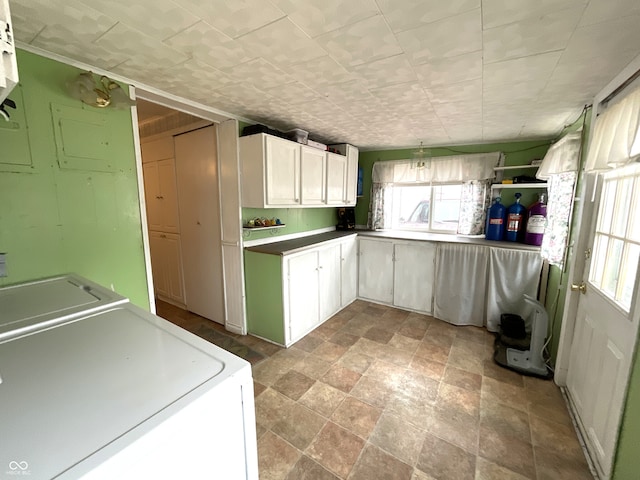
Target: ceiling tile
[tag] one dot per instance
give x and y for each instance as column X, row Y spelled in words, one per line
column 56, row 40
column 404, row 93
column 533, row 68
column 200, row 75
column 147, row 49
column 599, row 11
column 416, row 13
column 321, row 71
column 210, row 45
column 545, row 33
column 501, row 12
column 316, row 18
column 445, row 71
column 293, row 93
column 235, row 18
column 458, row 92
column 259, row 73
column 282, row 43
column 168, row 17
column 25, row 26
column 345, row 92
column 387, row 71
column 435, row 40
column 361, row 42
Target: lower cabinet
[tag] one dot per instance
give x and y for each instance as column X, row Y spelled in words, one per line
column 397, row 272
column 166, row 264
column 315, row 284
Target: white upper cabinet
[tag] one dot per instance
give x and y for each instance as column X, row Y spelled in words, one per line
column 8, row 64
column 313, row 175
column 281, row 173
column 352, row 174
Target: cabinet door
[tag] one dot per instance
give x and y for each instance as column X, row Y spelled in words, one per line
column 313, row 174
column 152, row 195
column 414, row 276
column 349, row 271
column 168, row 203
column 173, row 267
column 282, row 165
column 329, row 265
column 304, row 309
column 336, row 179
column 376, row 270
column 352, row 175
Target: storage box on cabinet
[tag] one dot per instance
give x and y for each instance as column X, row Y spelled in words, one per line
column 399, row 273
column 313, row 285
column 280, row 173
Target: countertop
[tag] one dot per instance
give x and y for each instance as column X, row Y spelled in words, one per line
column 287, row 247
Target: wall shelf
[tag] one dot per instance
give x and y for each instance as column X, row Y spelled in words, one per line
column 500, row 186
column 515, row 167
column 264, row 228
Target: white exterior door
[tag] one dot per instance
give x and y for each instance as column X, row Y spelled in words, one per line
column 282, row 171
column 376, row 270
column 606, row 329
column 414, row 275
column 199, row 204
column 313, row 175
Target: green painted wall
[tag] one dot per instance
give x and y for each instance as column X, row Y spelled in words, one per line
column 516, row 153
column 295, row 219
column 627, row 463
column 263, row 282
column 56, row 220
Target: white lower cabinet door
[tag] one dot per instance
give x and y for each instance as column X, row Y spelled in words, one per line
column 349, row 271
column 329, row 269
column 303, row 289
column 375, row 271
column 413, row 276
column 166, row 264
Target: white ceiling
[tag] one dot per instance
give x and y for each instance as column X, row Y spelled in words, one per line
column 374, row 73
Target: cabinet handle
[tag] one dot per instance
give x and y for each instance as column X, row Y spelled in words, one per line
column 162, row 235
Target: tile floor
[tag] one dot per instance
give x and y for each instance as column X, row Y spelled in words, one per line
column 380, row 393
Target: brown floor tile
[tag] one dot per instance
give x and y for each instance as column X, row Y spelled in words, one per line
column 398, row 437
column 445, row 461
column 325, row 331
column 309, row 343
column 475, row 334
column 455, row 399
column 299, row 426
column 412, row 331
column 322, row 398
column 260, row 430
column 418, row 386
column 307, row 469
column 462, row 379
column 438, row 339
column 336, row 449
column 343, row 339
column 371, row 391
column 402, row 342
column 456, row 428
column 275, row 457
column 547, row 402
column 393, row 355
column 258, row 388
column 341, row 378
column 374, row 463
column 366, row 347
column 486, row 470
column 329, row 352
column 396, row 315
column 552, row 466
column 545, row 433
column 508, row 451
column 378, row 335
column 390, row 375
column 505, row 420
column 356, row 416
column 414, row 410
column 271, row 407
column 503, row 393
column 461, row 359
column 312, row 367
column 495, row 371
column 420, row 475
column 428, row 368
column 438, row 327
column 266, row 347
column 355, row 361
column 339, row 320
column 266, row 372
column 293, row 384
column 433, row 352
column 376, row 310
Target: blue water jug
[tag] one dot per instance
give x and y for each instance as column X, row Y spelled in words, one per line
column 516, row 216
column 495, row 221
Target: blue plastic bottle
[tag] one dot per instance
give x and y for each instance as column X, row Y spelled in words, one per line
column 516, row 216
column 495, row 221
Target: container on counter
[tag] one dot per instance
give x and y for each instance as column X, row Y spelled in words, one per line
column 495, row 221
column 516, row 217
column 536, row 221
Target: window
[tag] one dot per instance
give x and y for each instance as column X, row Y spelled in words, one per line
column 616, row 247
column 423, row 207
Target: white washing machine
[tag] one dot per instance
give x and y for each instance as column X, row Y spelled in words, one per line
column 94, row 387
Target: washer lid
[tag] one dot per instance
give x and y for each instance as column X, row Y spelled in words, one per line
column 34, row 305
column 68, row 391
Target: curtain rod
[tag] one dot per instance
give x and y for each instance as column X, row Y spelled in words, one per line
column 624, row 85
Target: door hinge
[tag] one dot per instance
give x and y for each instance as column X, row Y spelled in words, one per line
column 587, row 254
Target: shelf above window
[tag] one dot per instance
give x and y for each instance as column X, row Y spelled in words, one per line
column 515, row 167
column 500, row 186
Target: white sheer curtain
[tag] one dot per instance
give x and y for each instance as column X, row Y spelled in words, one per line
column 616, row 135
column 512, row 273
column 559, row 168
column 460, row 290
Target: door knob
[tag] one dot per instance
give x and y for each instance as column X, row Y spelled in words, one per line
column 581, row 287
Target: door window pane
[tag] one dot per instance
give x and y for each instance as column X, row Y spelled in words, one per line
column 621, row 212
column 612, row 267
column 607, row 206
column 599, row 257
column 628, row 274
column 634, row 213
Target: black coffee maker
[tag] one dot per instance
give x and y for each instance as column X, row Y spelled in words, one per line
column 346, row 218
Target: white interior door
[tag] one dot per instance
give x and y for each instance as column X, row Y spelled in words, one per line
column 199, row 206
column 605, row 329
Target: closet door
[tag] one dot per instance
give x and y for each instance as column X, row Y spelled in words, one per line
column 199, row 206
